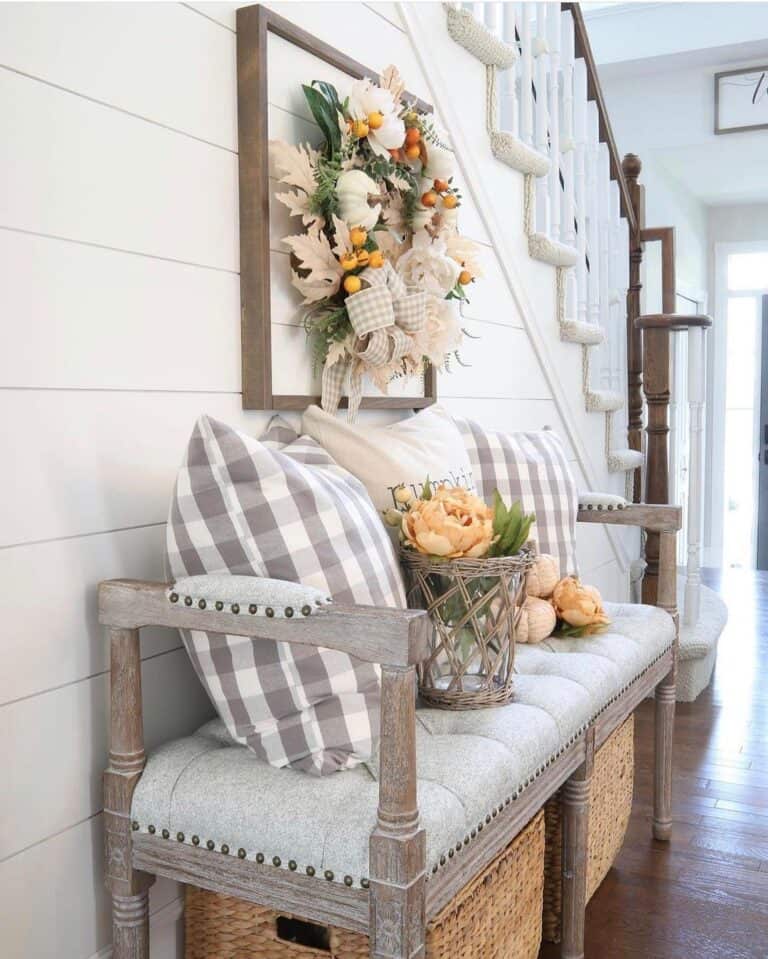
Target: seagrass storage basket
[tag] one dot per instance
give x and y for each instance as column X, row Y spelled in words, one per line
column 497, row 915
column 610, row 807
column 475, row 606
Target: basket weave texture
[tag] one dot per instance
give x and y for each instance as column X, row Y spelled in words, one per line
column 475, row 606
column 610, row 798
column 497, row 915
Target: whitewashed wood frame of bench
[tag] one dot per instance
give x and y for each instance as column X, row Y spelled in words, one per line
column 398, row 901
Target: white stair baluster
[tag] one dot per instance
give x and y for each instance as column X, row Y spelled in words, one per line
column 526, row 75
column 604, row 237
column 592, row 213
column 696, row 374
column 616, row 297
column 580, row 136
column 555, row 190
column 493, row 18
column 509, row 107
column 567, row 156
column 542, row 118
column 478, row 11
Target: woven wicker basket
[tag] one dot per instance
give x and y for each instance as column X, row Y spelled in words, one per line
column 497, row 915
column 474, row 605
column 610, row 807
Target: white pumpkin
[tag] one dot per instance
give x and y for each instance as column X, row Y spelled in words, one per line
column 440, row 163
column 543, row 576
column 537, row 620
column 353, row 189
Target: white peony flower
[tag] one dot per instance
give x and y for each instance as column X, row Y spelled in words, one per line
column 427, row 266
column 442, row 334
column 353, row 189
column 366, row 98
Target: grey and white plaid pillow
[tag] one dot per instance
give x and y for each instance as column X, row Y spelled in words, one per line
column 533, row 468
column 280, row 507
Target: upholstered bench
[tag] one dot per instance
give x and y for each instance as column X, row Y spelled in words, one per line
column 384, row 846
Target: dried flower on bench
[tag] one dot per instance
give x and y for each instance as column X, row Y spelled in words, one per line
column 579, row 608
column 381, row 263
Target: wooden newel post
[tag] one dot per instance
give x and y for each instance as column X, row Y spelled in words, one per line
column 398, row 846
column 130, row 899
column 632, row 167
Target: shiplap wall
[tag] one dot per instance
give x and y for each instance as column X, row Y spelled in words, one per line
column 119, row 310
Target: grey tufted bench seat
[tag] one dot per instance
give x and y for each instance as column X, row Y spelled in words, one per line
column 381, row 848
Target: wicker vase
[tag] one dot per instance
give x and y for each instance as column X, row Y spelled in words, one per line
column 475, row 607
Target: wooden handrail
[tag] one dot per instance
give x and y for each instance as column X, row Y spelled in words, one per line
column 595, row 92
column 673, row 322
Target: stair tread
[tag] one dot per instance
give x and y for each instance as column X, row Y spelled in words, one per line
column 623, row 461
column 518, row 155
column 587, row 334
column 544, row 248
column 604, row 401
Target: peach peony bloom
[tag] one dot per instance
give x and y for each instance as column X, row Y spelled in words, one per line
column 578, row 605
column 453, row 523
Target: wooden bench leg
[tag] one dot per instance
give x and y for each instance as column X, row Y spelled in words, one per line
column 129, row 887
column 130, row 926
column 398, row 846
column 664, row 712
column 664, row 721
column 575, row 800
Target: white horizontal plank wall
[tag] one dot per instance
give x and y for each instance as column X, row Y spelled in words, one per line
column 119, row 308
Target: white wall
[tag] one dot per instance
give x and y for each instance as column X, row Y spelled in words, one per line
column 119, row 309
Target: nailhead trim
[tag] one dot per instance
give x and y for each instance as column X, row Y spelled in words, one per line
column 253, row 608
column 364, row 882
column 529, row 780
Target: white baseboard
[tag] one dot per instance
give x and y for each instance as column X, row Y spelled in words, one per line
column 169, row 915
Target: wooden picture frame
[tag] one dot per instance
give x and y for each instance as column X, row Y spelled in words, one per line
column 755, row 90
column 254, row 24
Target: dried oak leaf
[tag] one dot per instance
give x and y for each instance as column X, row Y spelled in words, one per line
column 321, row 274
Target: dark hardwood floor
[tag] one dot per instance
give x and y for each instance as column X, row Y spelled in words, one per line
column 705, row 895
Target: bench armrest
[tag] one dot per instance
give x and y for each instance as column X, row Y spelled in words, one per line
column 656, row 517
column 395, row 637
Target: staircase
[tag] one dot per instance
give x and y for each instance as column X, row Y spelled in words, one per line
column 540, row 113
column 572, row 216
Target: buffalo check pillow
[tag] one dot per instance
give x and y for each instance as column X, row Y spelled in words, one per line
column 533, row 468
column 280, row 507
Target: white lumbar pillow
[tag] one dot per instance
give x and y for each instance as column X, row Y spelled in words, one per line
column 405, row 453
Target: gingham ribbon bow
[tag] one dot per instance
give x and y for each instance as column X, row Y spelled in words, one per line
column 383, row 316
